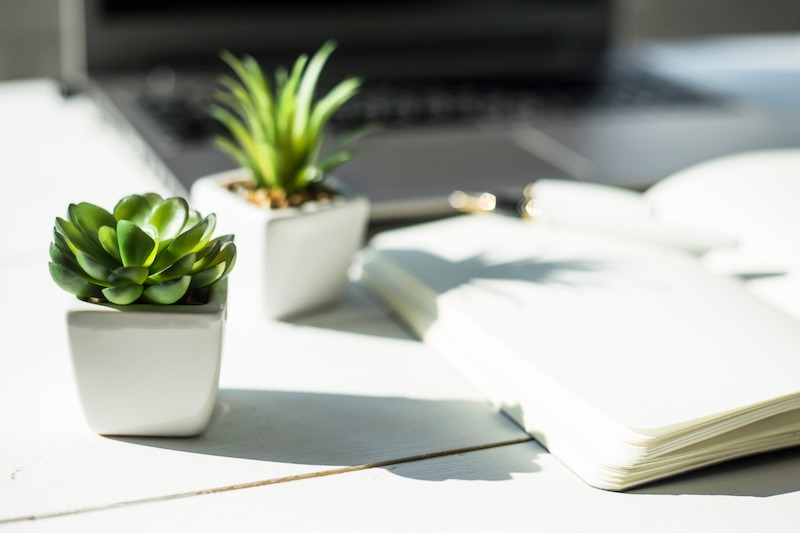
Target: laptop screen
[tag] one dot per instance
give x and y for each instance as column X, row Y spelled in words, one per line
column 386, row 39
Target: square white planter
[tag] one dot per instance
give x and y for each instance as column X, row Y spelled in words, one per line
column 288, row 260
column 146, row 369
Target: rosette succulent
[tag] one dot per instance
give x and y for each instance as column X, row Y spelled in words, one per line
column 150, row 250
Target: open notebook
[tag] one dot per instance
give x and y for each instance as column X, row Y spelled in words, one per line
column 622, row 354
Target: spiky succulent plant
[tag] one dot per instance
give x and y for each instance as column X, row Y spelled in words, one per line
column 149, row 249
column 278, row 133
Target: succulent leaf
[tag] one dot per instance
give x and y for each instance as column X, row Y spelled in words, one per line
column 169, row 217
column 72, row 236
column 225, row 254
column 135, row 208
column 108, row 240
column 61, row 242
column 179, row 268
column 167, row 292
column 57, row 255
column 187, row 242
column 73, row 283
column 135, row 246
column 123, row 294
column 231, row 261
column 193, row 218
column 69, row 262
column 211, row 225
column 131, row 274
column 208, row 276
column 149, row 249
column 153, row 199
column 207, row 254
column 77, row 241
column 94, row 268
column 90, row 218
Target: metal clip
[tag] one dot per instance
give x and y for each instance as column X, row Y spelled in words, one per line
column 525, row 207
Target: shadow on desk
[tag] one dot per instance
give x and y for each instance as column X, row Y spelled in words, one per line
column 768, row 474
column 351, row 431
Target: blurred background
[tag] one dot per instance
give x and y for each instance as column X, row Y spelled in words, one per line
column 29, row 29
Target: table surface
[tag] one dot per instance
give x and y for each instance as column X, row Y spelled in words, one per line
column 338, row 421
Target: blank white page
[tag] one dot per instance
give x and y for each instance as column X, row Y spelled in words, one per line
column 641, row 333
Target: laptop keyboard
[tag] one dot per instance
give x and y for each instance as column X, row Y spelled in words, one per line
column 185, row 116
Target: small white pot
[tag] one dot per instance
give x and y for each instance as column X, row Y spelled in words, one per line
column 288, row 260
column 146, row 369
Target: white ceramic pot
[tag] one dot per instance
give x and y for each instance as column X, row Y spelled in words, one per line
column 288, row 260
column 145, row 369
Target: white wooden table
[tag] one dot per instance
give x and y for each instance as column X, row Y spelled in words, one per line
column 340, row 421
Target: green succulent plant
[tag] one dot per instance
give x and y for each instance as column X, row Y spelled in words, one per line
column 278, row 133
column 149, row 249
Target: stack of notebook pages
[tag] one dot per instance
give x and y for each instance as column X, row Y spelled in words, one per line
column 622, row 355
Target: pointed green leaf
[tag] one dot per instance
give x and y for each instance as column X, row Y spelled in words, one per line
column 152, row 232
column 210, row 225
column 226, row 253
column 108, row 240
column 189, row 241
column 126, row 275
column 206, row 255
column 72, row 282
column 135, row 246
column 258, row 155
column 92, row 266
column 208, row 276
column 60, row 242
column 179, row 268
column 167, row 292
column 234, row 152
column 123, row 294
column 334, row 160
column 330, row 103
column 58, row 256
column 229, row 264
column 195, row 237
column 77, row 241
column 70, row 262
column 305, row 93
column 169, row 216
column 72, row 236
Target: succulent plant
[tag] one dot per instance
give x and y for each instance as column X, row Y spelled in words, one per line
column 149, row 249
column 278, row 134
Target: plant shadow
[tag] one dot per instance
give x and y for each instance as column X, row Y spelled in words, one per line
column 348, row 431
column 442, row 276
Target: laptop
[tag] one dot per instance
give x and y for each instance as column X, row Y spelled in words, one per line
column 471, row 95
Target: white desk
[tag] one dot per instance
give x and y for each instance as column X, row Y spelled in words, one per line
column 337, row 422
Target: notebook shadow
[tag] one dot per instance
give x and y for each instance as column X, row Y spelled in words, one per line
column 444, row 275
column 343, row 431
column 763, row 475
